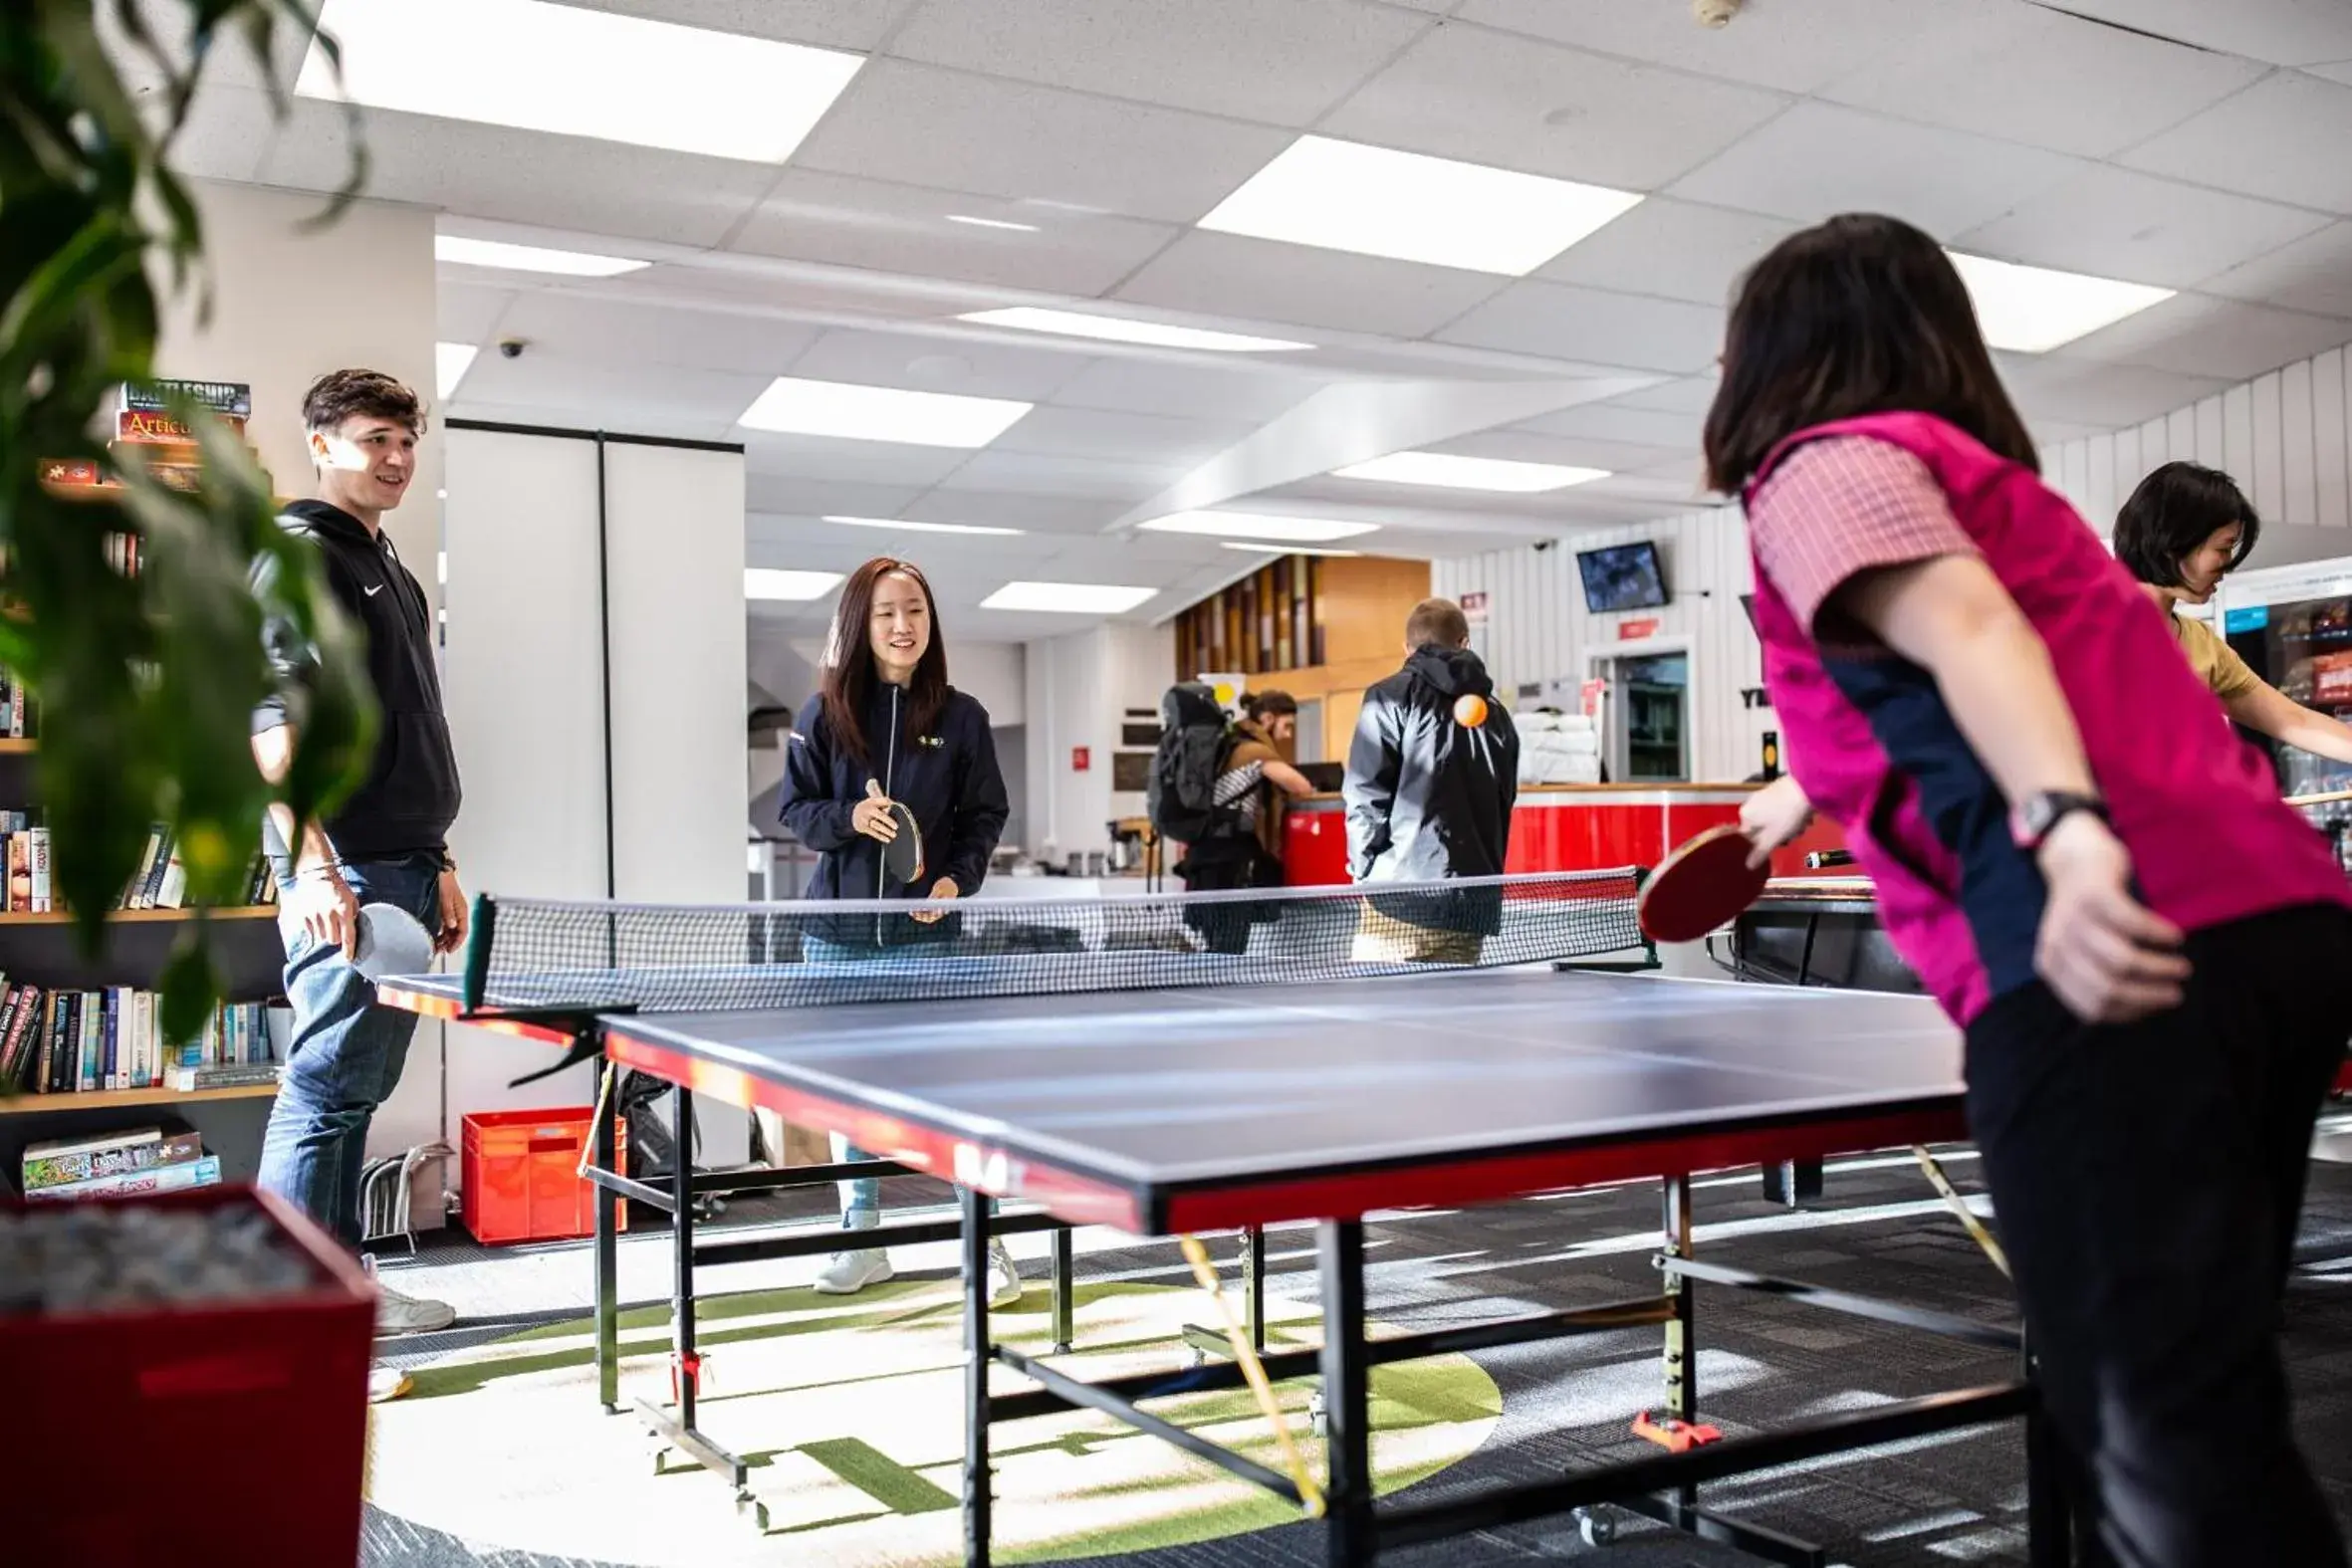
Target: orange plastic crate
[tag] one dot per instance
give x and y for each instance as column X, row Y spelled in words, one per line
column 521, row 1175
column 124, row 1418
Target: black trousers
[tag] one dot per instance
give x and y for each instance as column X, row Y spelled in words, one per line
column 2147, row 1179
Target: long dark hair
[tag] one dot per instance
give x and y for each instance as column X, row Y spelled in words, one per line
column 2176, row 509
column 1862, row 314
column 849, row 676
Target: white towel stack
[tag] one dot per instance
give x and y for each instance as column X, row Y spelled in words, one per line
column 1557, row 747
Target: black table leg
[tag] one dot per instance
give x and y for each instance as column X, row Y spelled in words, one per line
column 1347, row 1394
column 1682, row 1344
column 1254, row 1299
column 978, row 1352
column 1065, row 1293
column 1790, row 1183
column 686, row 1363
column 607, row 1153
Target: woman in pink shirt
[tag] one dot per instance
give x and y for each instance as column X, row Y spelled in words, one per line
column 2139, row 940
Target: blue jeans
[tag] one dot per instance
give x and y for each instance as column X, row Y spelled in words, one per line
column 345, row 1054
column 862, row 1200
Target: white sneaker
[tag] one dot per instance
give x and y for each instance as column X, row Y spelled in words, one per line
column 399, row 1315
column 387, row 1383
column 1003, row 1280
column 846, row 1274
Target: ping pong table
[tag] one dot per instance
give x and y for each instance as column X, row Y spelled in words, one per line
column 1180, row 1105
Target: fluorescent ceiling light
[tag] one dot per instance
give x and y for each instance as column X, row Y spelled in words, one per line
column 1469, row 473
column 1257, row 525
column 772, row 583
column 901, row 526
column 2030, row 310
column 1344, row 196
column 531, row 258
column 579, row 73
column 992, row 223
column 1119, row 329
column 880, row 414
column 1288, row 550
column 450, row 363
column 1077, row 598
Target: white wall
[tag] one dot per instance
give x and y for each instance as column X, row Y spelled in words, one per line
column 992, row 674
column 1076, row 690
column 2286, row 437
column 1538, row 628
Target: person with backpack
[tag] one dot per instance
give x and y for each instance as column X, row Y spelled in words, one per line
column 1217, row 788
column 1429, row 794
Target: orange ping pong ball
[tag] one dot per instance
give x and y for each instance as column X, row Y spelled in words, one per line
column 1469, row 710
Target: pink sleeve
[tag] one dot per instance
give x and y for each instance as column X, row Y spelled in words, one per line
column 1839, row 507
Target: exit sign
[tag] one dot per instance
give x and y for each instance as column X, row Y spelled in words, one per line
column 1635, row 631
column 1081, row 758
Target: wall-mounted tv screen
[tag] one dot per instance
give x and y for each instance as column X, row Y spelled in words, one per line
column 1623, row 577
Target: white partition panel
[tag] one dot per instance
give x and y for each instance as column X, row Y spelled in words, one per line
column 674, row 534
column 525, row 693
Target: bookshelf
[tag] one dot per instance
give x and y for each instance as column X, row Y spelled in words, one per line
column 123, row 1099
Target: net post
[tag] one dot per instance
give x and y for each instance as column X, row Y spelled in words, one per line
column 477, row 951
column 1649, row 948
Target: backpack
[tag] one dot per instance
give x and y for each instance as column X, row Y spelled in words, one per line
column 1195, row 739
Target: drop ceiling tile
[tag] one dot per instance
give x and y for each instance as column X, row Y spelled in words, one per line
column 2196, row 334
column 1592, row 324
column 927, row 362
column 609, row 331
column 1304, row 286
column 1283, row 64
column 1150, row 386
column 521, row 176
column 1819, row 160
column 1495, row 99
column 1608, row 422
column 802, row 496
column 831, row 461
column 950, row 131
column 2118, row 223
column 906, row 229
column 650, row 419
column 1693, row 395
column 2282, row 32
column 1670, row 248
column 612, row 397
column 2312, row 274
column 1149, row 438
column 2284, row 137
column 467, row 313
column 1794, row 47
column 1007, row 509
column 859, row 26
column 2109, row 396
column 1521, row 445
column 1061, row 476
column 2027, row 73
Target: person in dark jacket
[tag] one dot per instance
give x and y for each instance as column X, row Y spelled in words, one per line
column 387, row 844
column 886, row 726
column 1428, row 796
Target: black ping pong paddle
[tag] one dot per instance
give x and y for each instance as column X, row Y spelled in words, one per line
column 1700, row 886
column 902, row 856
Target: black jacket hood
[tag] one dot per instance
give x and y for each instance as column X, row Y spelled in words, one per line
column 1454, row 672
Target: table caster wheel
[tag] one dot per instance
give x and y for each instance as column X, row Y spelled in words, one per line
column 1597, row 1527
column 1316, row 1421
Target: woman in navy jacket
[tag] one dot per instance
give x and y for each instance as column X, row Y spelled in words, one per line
column 886, row 726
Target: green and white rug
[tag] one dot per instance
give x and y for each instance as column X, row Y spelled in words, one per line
column 849, row 1412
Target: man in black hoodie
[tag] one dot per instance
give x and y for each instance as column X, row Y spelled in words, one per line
column 1428, row 795
column 388, row 845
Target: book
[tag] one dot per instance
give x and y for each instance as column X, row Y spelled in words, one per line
column 233, row 400
column 37, row 858
column 190, row 1080
column 204, row 1172
column 50, row 1165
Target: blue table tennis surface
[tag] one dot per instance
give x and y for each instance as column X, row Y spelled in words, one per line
column 1202, row 1083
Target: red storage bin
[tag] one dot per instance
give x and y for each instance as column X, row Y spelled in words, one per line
column 141, row 1435
column 521, row 1175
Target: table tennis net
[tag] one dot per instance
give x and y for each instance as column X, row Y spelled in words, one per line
column 550, row 954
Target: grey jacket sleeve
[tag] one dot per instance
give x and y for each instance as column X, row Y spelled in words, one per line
column 294, row 658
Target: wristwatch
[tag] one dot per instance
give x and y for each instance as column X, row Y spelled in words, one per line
column 2037, row 813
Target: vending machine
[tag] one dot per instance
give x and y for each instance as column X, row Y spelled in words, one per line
column 2293, row 626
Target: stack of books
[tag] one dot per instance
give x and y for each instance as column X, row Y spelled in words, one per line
column 143, row 423
column 54, row 1042
column 117, row 1164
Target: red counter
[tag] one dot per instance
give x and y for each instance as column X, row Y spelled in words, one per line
column 1562, row 827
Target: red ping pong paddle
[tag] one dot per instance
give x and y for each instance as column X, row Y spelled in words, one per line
column 1700, row 886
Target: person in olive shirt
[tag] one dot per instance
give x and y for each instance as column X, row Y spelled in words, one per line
column 387, row 844
column 2185, row 528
